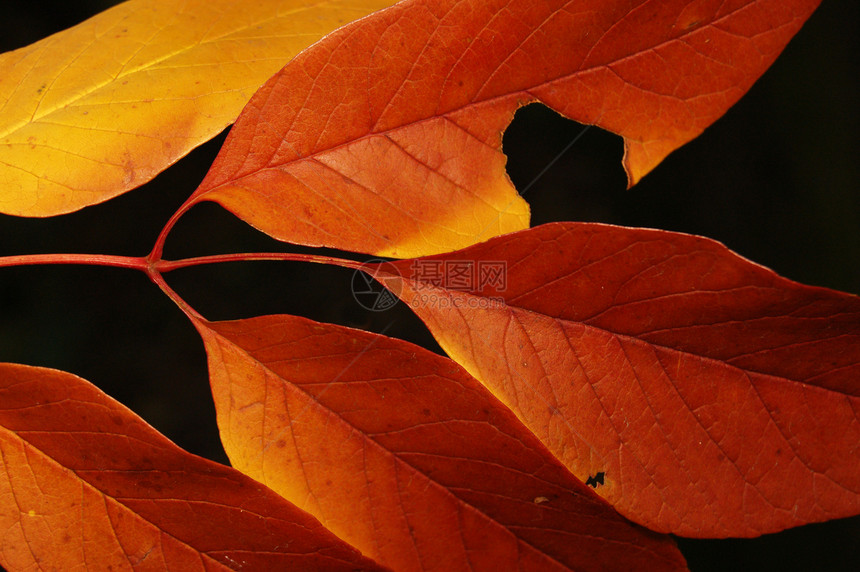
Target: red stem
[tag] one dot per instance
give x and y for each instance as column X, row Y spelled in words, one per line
column 92, row 259
column 162, row 266
column 154, row 268
column 168, row 265
column 158, row 248
column 159, row 281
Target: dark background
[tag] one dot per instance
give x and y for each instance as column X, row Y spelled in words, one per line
column 776, row 180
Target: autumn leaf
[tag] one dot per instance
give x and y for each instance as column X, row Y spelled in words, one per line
column 104, row 106
column 715, row 397
column 385, row 137
column 404, row 455
column 86, row 484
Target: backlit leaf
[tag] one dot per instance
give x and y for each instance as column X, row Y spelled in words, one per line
column 404, row 455
column 717, row 398
column 385, row 137
column 86, row 484
column 103, row 107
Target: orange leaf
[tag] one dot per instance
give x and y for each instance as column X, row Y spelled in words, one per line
column 385, row 137
column 717, row 398
column 105, row 106
column 86, row 484
column 404, row 455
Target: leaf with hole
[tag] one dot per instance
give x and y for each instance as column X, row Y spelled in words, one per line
column 385, row 137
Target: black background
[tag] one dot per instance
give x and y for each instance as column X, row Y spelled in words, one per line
column 776, row 180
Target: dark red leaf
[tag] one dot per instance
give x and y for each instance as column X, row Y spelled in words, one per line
column 717, row 398
column 403, row 454
column 86, row 484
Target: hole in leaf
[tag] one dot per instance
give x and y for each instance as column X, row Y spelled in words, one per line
column 564, row 169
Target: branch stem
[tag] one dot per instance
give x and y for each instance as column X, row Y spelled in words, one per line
column 137, row 263
column 155, row 269
column 158, row 248
column 164, row 266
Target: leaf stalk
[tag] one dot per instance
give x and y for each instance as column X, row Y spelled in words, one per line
column 137, row 263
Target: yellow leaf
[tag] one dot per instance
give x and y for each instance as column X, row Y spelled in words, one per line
column 103, row 107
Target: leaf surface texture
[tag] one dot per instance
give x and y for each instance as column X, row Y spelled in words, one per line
column 717, row 398
column 385, row 137
column 401, row 453
column 103, row 107
column 86, row 484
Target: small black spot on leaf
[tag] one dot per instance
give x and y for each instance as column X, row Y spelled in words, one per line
column 596, row 480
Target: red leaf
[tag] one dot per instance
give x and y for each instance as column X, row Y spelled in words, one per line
column 403, row 454
column 717, row 398
column 385, row 137
column 89, row 485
